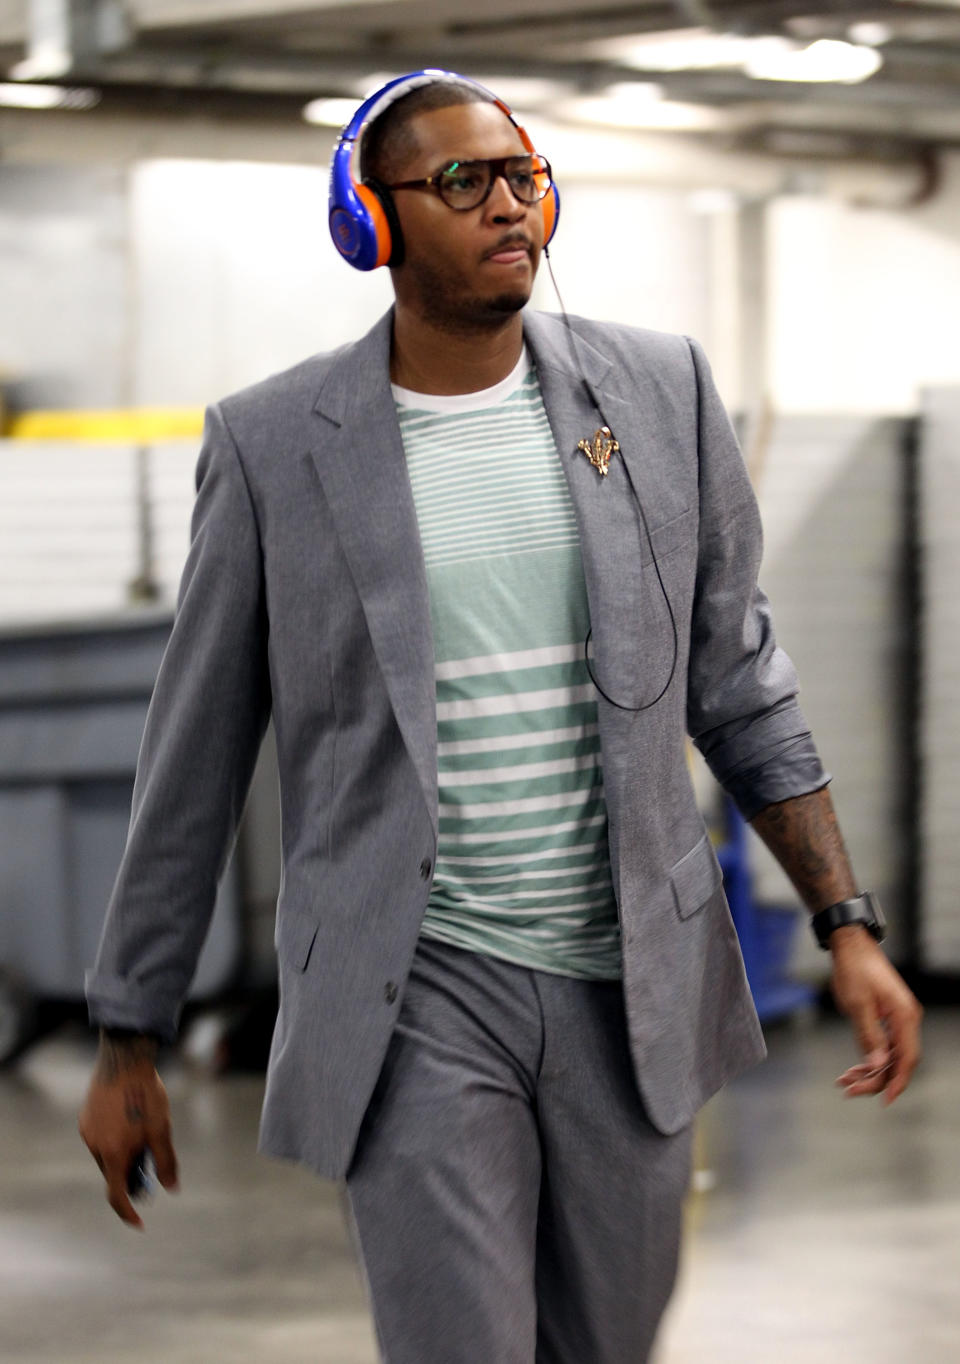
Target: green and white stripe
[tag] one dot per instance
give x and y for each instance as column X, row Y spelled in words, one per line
column 523, row 870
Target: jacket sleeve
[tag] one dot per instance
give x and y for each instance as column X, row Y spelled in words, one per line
column 742, row 710
column 205, row 723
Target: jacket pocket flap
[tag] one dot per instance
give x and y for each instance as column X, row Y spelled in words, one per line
column 695, row 877
column 296, row 933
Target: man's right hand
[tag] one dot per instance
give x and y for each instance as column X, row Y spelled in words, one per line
column 125, row 1111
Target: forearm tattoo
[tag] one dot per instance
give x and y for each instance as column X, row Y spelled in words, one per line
column 120, row 1054
column 804, row 836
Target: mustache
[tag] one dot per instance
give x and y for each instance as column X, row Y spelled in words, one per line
column 511, row 239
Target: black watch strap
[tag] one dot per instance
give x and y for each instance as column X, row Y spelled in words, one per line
column 862, row 909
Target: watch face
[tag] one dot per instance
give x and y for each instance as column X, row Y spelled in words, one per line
column 873, row 915
column 877, row 911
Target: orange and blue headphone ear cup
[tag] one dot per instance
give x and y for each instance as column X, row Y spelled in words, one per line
column 358, row 224
column 361, row 215
column 550, row 208
column 365, row 228
column 383, row 211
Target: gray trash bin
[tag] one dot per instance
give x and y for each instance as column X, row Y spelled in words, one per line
column 73, row 700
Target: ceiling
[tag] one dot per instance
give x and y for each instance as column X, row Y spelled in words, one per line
column 247, row 59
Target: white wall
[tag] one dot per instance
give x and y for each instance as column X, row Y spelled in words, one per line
column 632, row 254
column 236, row 277
column 63, row 322
column 863, row 303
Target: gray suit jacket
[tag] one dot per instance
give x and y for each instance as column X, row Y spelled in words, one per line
column 305, row 593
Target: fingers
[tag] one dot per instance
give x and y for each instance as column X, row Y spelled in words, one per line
column 870, row 1075
column 871, row 1035
column 904, row 1027
column 865, row 1078
column 165, row 1159
column 887, row 1069
column 115, row 1172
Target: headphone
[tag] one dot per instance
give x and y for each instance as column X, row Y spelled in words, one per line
column 363, row 220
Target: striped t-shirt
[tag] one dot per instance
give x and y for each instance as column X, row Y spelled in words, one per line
column 523, row 868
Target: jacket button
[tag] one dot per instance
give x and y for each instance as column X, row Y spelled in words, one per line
column 426, row 866
column 390, row 992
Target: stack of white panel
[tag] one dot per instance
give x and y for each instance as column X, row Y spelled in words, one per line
column 67, row 529
column 830, row 490
column 940, row 692
column 70, row 526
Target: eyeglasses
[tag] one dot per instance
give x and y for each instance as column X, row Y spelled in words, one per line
column 467, row 184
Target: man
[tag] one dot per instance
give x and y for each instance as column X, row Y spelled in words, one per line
column 508, row 974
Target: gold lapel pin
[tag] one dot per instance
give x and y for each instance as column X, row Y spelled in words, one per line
column 599, row 450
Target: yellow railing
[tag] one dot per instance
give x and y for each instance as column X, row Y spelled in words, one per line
column 124, row 426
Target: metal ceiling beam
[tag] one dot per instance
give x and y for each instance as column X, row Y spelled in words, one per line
column 157, row 13
column 64, row 33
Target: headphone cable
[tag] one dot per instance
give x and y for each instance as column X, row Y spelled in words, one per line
column 643, row 517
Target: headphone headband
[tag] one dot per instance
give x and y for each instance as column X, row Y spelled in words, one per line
column 362, row 219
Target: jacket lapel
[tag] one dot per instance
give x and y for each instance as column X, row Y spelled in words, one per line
column 622, row 588
column 362, row 467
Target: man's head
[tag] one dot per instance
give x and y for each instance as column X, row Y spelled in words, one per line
column 390, row 142
column 464, row 267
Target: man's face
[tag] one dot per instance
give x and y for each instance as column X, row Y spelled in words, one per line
column 465, row 270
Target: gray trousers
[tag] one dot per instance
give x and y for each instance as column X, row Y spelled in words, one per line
column 510, row 1200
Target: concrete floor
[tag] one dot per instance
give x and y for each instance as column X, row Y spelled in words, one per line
column 824, row 1229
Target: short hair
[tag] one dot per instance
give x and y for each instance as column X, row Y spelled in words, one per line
column 389, row 142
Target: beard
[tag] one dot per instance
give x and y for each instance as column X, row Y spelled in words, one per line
column 445, row 302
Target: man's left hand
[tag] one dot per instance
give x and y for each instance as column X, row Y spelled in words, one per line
column 884, row 1013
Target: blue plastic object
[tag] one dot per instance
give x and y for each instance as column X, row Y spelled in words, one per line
column 765, row 931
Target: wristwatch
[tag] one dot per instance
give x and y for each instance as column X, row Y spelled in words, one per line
column 862, row 909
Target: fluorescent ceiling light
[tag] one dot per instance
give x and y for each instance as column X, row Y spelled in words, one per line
column 871, row 34
column 711, row 201
column 638, row 104
column 46, row 97
column 765, row 58
column 330, row 113
column 779, row 59
column 680, row 50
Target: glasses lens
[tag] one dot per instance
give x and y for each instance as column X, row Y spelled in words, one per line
column 524, row 179
column 464, row 184
column 542, row 176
